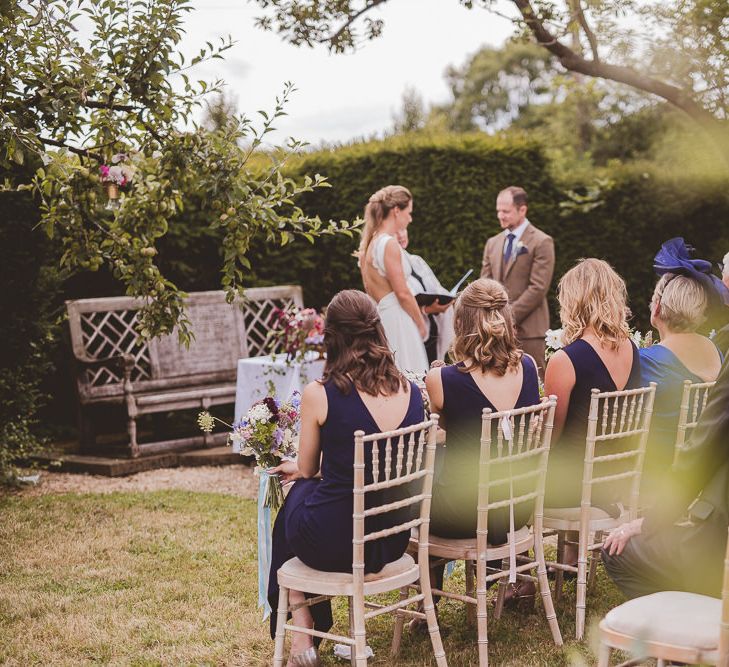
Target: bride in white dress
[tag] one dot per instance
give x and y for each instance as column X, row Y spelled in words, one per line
column 385, row 271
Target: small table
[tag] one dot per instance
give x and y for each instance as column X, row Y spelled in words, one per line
column 258, row 376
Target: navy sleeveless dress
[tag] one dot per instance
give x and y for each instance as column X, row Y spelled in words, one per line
column 567, row 456
column 453, row 512
column 315, row 522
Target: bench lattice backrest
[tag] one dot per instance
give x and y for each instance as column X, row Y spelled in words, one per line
column 102, row 328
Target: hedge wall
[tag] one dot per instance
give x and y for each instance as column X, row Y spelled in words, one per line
column 455, row 180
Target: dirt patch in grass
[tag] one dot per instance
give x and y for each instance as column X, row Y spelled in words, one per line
column 235, row 480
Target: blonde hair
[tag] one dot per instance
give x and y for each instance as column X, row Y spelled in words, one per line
column 592, row 295
column 378, row 207
column 484, row 329
column 682, row 302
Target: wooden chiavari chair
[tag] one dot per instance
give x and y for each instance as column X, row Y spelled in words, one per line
column 671, row 625
column 521, row 443
column 693, row 402
column 408, row 455
column 617, row 431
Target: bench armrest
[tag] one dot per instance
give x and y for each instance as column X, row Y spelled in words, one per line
column 124, row 362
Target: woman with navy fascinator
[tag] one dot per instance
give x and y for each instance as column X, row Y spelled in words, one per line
column 686, row 299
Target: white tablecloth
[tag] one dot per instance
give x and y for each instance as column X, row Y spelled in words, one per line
column 258, row 375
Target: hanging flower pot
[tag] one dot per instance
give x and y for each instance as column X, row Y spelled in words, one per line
column 112, row 194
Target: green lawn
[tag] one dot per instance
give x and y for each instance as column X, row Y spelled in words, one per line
column 168, row 578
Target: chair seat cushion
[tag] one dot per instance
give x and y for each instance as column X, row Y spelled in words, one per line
column 669, row 617
column 469, row 543
column 573, row 513
column 295, row 574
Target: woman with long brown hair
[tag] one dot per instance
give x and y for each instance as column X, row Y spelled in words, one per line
column 385, row 272
column 361, row 389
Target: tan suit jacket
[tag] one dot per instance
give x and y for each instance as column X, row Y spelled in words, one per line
column 526, row 277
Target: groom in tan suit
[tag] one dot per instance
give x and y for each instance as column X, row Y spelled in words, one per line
column 521, row 258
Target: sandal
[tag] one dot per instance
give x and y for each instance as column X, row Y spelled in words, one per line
column 307, row 658
column 520, row 595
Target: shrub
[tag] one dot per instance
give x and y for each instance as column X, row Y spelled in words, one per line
column 31, row 284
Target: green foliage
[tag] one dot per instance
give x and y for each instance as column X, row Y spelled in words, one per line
column 28, row 330
column 497, row 85
column 116, row 92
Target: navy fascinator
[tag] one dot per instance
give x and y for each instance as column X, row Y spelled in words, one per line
column 675, row 257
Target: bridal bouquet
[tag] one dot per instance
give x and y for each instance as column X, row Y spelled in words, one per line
column 297, row 332
column 268, row 431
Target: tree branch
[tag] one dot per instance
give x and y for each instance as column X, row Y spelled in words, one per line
column 93, row 104
column 78, row 151
column 331, row 38
column 591, row 38
column 619, row 73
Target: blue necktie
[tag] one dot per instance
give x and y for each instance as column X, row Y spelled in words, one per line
column 509, row 244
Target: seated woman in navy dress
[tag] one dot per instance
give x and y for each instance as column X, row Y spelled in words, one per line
column 361, row 389
column 491, row 372
column 679, row 307
column 598, row 354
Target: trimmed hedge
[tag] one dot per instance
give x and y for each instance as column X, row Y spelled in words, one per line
column 455, row 180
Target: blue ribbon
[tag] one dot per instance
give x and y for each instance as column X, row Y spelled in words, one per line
column 264, row 544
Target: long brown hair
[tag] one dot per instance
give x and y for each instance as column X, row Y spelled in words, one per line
column 484, row 328
column 357, row 350
column 378, row 207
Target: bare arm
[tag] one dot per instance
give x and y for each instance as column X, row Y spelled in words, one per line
column 434, row 386
column 539, row 281
column 396, row 278
column 559, row 379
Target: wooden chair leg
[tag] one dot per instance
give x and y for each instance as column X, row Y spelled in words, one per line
column 603, row 658
column 399, row 623
column 594, row 558
column 501, row 595
column 430, row 616
column 359, row 650
column 352, row 652
column 581, row 583
column 470, row 590
column 546, row 592
column 281, row 618
column 558, row 574
column 482, row 612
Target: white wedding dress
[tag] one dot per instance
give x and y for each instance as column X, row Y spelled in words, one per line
column 402, row 333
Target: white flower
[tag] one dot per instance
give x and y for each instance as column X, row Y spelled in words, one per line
column 712, row 334
column 553, row 339
column 637, row 338
column 259, row 413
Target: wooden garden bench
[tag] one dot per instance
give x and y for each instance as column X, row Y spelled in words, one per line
column 160, row 375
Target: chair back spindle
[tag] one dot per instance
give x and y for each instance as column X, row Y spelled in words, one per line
column 617, row 433
column 693, row 401
column 401, row 466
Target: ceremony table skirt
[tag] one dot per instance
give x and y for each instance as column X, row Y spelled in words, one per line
column 258, row 375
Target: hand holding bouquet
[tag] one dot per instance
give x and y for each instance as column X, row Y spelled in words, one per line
column 268, row 431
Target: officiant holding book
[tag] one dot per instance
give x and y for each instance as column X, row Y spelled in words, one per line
column 437, row 311
column 521, row 258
